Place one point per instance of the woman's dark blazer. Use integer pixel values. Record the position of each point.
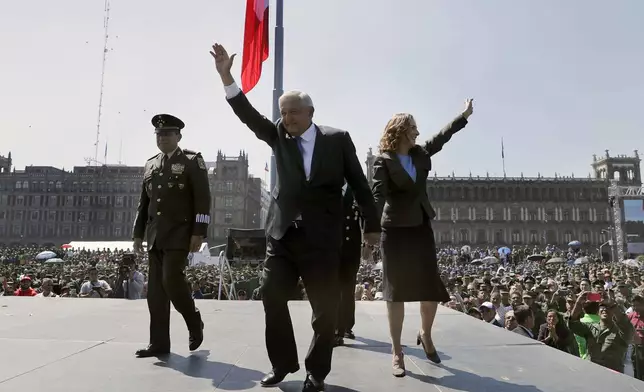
(400, 200)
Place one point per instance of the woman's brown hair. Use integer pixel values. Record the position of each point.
(395, 129)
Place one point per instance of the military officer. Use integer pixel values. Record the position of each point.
(173, 214)
(349, 264)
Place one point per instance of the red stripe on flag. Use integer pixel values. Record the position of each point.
(255, 43)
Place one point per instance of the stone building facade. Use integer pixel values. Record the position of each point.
(47, 205)
(494, 211)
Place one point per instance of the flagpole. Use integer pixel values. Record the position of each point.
(503, 156)
(278, 80)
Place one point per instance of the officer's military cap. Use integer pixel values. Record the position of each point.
(167, 122)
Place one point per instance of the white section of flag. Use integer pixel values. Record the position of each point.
(260, 8)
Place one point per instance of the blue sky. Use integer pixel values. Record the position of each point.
(557, 80)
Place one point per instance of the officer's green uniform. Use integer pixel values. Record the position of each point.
(174, 206)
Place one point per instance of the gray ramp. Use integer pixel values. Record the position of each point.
(68, 345)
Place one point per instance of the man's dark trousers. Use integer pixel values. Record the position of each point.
(292, 256)
(349, 265)
(167, 283)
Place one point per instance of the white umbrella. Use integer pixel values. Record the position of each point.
(54, 261)
(490, 260)
(582, 260)
(631, 263)
(46, 255)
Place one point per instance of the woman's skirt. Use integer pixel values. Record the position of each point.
(410, 265)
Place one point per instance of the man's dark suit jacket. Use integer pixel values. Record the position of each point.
(318, 200)
(523, 331)
(399, 199)
(175, 201)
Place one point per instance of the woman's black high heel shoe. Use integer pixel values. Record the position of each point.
(433, 356)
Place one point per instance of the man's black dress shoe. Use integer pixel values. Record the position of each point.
(196, 338)
(312, 385)
(339, 341)
(350, 335)
(276, 376)
(151, 351)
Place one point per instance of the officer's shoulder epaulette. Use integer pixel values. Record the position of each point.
(154, 157)
(191, 154)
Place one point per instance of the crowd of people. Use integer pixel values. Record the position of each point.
(566, 298)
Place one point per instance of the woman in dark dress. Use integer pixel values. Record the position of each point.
(407, 245)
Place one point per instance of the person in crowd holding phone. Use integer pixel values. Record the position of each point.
(637, 321)
(606, 342)
(408, 249)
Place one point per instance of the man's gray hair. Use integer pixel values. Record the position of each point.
(304, 99)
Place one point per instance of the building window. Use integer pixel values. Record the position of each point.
(583, 216)
(34, 215)
(117, 232)
(532, 216)
(51, 216)
(82, 217)
(18, 215)
(20, 200)
(119, 201)
(566, 217)
(229, 186)
(601, 217)
(68, 216)
(534, 237)
(585, 237)
(465, 236)
(228, 201)
(228, 218)
(52, 201)
(16, 230)
(36, 201)
(516, 237)
(59, 185)
(118, 216)
(101, 215)
(102, 200)
(18, 184)
(568, 236)
(101, 231)
(85, 200)
(69, 200)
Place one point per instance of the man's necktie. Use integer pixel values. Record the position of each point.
(164, 160)
(300, 147)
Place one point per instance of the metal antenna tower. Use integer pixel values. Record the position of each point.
(106, 21)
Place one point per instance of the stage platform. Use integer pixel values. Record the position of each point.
(88, 345)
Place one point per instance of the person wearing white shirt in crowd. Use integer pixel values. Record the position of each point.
(94, 287)
(133, 286)
(46, 287)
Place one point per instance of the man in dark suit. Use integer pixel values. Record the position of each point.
(349, 264)
(173, 215)
(525, 319)
(304, 223)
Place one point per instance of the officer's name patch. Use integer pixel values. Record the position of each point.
(203, 218)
